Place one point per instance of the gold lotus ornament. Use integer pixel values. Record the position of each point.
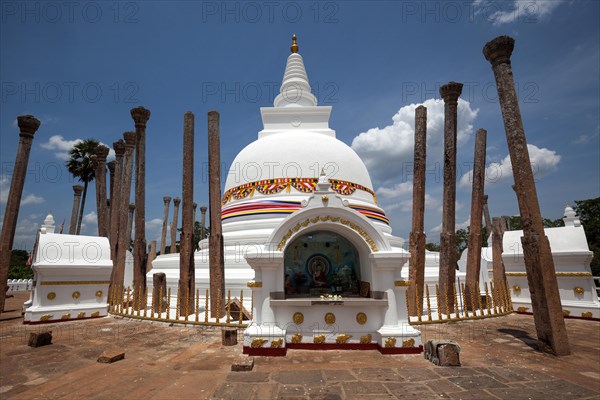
(319, 339)
(566, 313)
(578, 290)
(76, 295)
(297, 338)
(81, 314)
(361, 318)
(408, 343)
(46, 317)
(586, 314)
(298, 318)
(277, 343)
(366, 339)
(95, 314)
(66, 316)
(522, 309)
(99, 293)
(330, 318)
(51, 296)
(390, 342)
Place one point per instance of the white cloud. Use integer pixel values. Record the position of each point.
(397, 190)
(386, 151)
(90, 218)
(587, 138)
(32, 199)
(62, 147)
(525, 11)
(29, 199)
(462, 225)
(153, 230)
(543, 161)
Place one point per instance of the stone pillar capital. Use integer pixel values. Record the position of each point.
(77, 189)
(140, 116)
(194, 205)
(176, 201)
(166, 200)
(130, 138)
(119, 148)
(499, 50)
(111, 166)
(451, 91)
(203, 209)
(102, 153)
(131, 207)
(28, 125)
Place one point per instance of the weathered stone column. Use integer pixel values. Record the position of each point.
(101, 154)
(487, 219)
(474, 249)
(28, 125)
(176, 202)
(119, 148)
(541, 275)
(498, 226)
(77, 190)
(151, 255)
(203, 222)
(450, 93)
(140, 116)
(416, 270)
(163, 235)
(215, 241)
(186, 242)
(130, 218)
(111, 169)
(124, 240)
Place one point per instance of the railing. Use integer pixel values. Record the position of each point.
(495, 303)
(19, 285)
(167, 308)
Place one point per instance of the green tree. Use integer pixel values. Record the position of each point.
(80, 164)
(589, 215)
(432, 247)
(18, 265)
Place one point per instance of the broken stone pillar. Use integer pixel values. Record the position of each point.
(140, 116)
(101, 154)
(163, 235)
(28, 125)
(187, 278)
(450, 92)
(203, 222)
(40, 339)
(541, 275)
(130, 217)
(498, 226)
(111, 356)
(229, 336)
(77, 190)
(159, 292)
(474, 249)
(124, 240)
(416, 270)
(176, 202)
(119, 148)
(215, 240)
(487, 219)
(151, 255)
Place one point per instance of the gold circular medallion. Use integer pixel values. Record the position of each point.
(361, 318)
(330, 318)
(76, 295)
(298, 318)
(51, 296)
(99, 293)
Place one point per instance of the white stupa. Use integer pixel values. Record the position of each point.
(301, 221)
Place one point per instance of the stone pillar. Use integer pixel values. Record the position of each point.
(130, 217)
(163, 235)
(186, 242)
(28, 125)
(77, 189)
(215, 240)
(541, 275)
(151, 255)
(119, 148)
(203, 222)
(140, 116)
(176, 202)
(474, 249)
(111, 169)
(101, 154)
(124, 240)
(487, 219)
(450, 93)
(195, 205)
(416, 270)
(498, 226)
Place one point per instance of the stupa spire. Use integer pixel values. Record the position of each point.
(295, 89)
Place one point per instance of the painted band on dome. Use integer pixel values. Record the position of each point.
(303, 185)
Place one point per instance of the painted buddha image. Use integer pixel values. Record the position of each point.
(318, 267)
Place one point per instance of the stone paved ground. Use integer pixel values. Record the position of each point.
(162, 362)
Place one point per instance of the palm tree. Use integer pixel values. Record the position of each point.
(81, 166)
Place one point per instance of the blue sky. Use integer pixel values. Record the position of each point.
(80, 67)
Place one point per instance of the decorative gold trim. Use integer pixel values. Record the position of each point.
(319, 339)
(52, 283)
(330, 318)
(46, 317)
(254, 284)
(277, 343)
(516, 289)
(99, 293)
(402, 283)
(586, 314)
(522, 309)
(361, 318)
(342, 338)
(325, 198)
(76, 295)
(66, 316)
(566, 313)
(258, 342)
(298, 318)
(95, 314)
(563, 274)
(408, 343)
(365, 339)
(326, 218)
(81, 314)
(51, 296)
(390, 342)
(297, 338)
(578, 290)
